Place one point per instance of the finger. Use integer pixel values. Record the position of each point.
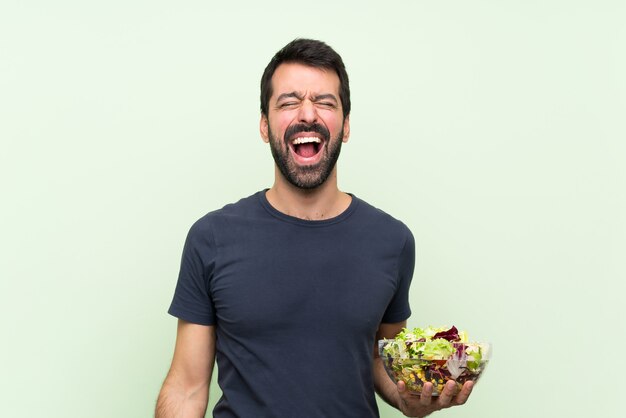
(445, 397)
(427, 393)
(401, 386)
(465, 392)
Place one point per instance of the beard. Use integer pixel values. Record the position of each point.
(306, 177)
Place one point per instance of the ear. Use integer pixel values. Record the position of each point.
(264, 128)
(346, 129)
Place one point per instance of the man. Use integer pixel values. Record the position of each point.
(290, 288)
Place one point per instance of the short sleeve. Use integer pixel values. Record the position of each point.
(192, 299)
(399, 308)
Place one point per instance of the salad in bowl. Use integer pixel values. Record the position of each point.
(435, 355)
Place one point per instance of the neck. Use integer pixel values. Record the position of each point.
(323, 202)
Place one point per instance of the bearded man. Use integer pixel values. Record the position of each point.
(289, 289)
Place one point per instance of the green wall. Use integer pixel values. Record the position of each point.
(494, 129)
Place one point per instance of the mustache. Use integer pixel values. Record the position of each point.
(303, 127)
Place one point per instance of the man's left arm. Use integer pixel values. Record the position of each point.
(399, 397)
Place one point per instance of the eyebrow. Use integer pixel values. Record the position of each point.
(325, 97)
(294, 94)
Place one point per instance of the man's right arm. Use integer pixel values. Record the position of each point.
(185, 391)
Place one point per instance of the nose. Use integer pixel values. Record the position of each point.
(308, 113)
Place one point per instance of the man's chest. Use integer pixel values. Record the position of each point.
(284, 281)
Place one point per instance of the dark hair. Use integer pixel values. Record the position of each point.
(312, 53)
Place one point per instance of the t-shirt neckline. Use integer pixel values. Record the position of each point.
(305, 222)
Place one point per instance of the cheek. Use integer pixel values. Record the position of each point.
(333, 123)
(280, 125)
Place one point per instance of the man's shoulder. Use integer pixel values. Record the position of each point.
(244, 208)
(379, 217)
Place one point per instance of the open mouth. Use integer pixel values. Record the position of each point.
(306, 146)
(307, 141)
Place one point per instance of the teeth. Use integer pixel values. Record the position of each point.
(305, 140)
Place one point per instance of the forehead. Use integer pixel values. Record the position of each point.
(300, 78)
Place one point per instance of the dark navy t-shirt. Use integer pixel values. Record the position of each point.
(296, 304)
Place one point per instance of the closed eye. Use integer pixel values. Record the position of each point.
(288, 104)
(329, 105)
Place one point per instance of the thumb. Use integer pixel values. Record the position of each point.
(401, 386)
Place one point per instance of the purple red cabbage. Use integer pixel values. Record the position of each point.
(451, 335)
